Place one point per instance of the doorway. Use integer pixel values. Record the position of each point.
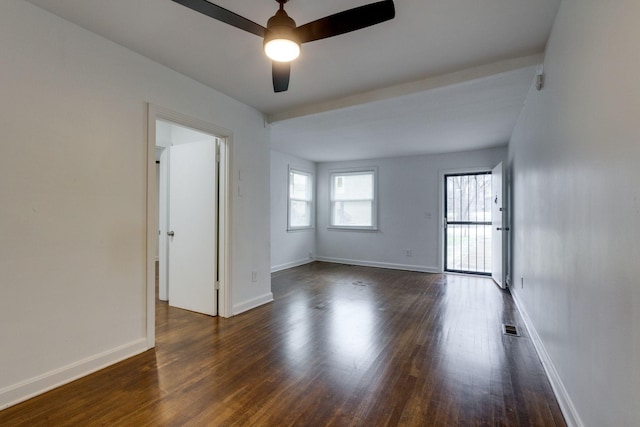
(187, 212)
(467, 223)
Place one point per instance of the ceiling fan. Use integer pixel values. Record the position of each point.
(282, 38)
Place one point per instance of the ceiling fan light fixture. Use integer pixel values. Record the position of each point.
(282, 50)
(280, 41)
(282, 38)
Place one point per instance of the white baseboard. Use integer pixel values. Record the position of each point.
(32, 387)
(291, 264)
(571, 416)
(377, 264)
(252, 303)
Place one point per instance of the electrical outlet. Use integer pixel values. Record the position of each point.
(254, 276)
(522, 282)
(408, 252)
(310, 255)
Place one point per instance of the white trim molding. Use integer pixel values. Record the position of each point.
(252, 303)
(389, 265)
(291, 264)
(571, 416)
(32, 387)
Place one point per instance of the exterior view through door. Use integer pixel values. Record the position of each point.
(467, 222)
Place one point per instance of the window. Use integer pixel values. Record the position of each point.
(353, 201)
(300, 200)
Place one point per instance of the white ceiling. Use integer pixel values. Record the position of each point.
(471, 115)
(371, 71)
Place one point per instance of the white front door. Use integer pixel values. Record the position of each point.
(497, 229)
(193, 227)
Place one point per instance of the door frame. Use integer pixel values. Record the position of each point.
(442, 203)
(155, 112)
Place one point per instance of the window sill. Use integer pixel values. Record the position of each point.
(365, 229)
(296, 230)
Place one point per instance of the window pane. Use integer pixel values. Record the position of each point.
(469, 197)
(299, 214)
(300, 199)
(353, 186)
(299, 186)
(469, 248)
(358, 213)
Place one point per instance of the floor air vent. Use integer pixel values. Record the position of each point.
(510, 330)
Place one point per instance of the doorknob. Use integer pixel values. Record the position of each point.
(170, 233)
(501, 229)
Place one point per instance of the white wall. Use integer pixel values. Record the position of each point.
(288, 248)
(73, 190)
(409, 210)
(575, 159)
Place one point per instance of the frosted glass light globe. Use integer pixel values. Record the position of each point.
(282, 50)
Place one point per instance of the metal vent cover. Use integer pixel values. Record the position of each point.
(511, 330)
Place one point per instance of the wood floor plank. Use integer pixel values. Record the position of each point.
(339, 346)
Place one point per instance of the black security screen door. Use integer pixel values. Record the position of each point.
(468, 223)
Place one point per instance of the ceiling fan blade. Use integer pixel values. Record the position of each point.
(223, 15)
(281, 72)
(347, 21)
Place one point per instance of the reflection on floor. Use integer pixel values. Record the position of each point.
(340, 345)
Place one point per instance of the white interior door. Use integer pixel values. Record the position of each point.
(498, 228)
(192, 229)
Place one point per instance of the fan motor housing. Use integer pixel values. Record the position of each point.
(280, 25)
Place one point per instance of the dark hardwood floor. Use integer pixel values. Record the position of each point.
(339, 346)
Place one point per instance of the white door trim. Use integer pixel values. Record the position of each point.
(154, 113)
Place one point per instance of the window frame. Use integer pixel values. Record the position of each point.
(311, 202)
(372, 170)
